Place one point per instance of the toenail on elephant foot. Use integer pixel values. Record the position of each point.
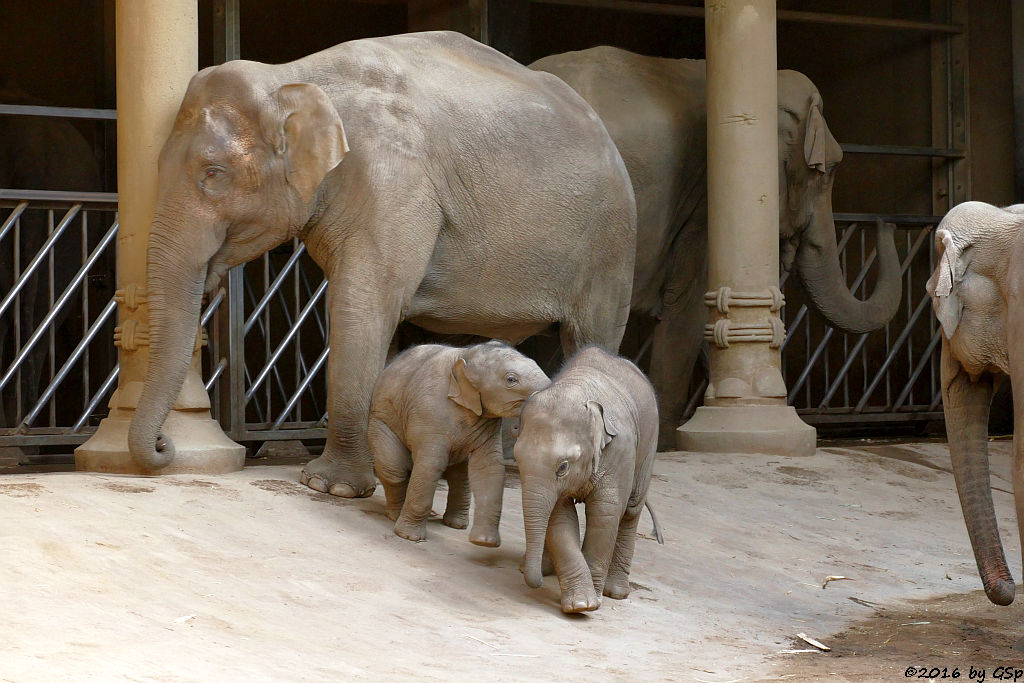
(617, 588)
(580, 601)
(486, 539)
(326, 476)
(412, 533)
(456, 521)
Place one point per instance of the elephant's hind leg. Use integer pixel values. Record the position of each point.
(456, 512)
(428, 466)
(392, 464)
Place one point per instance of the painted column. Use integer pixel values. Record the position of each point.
(745, 407)
(157, 51)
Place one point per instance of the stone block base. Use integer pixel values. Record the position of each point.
(773, 430)
(201, 447)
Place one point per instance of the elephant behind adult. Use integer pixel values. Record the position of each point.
(432, 178)
(655, 110)
(37, 153)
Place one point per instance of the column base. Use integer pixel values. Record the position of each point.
(201, 447)
(773, 430)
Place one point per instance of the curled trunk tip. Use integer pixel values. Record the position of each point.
(999, 590)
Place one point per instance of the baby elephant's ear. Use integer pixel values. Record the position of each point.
(604, 423)
(462, 390)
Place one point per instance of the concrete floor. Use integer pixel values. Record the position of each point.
(254, 577)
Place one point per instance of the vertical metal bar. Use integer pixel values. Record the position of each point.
(299, 360)
(269, 411)
(52, 337)
(85, 310)
(960, 107)
(17, 316)
(236, 353)
(226, 34)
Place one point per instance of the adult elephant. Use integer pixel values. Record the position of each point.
(977, 292)
(36, 153)
(432, 178)
(655, 110)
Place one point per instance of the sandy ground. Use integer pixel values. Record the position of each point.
(254, 577)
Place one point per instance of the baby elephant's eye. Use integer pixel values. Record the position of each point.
(511, 379)
(563, 469)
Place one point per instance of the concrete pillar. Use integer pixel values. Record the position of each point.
(157, 44)
(745, 407)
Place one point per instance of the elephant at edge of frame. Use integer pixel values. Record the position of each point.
(977, 293)
(655, 111)
(589, 437)
(432, 178)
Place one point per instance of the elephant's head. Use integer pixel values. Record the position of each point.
(808, 159)
(562, 436)
(973, 245)
(238, 175)
(493, 380)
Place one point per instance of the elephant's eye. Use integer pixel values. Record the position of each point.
(212, 171)
(563, 469)
(511, 379)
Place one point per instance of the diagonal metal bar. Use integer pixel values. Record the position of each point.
(926, 359)
(217, 372)
(897, 345)
(59, 304)
(301, 389)
(66, 368)
(211, 307)
(284, 342)
(274, 287)
(10, 220)
(263, 330)
(43, 252)
(108, 384)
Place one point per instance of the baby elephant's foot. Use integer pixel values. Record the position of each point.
(412, 532)
(580, 599)
(489, 538)
(456, 520)
(616, 586)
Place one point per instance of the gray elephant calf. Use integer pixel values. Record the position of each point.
(434, 413)
(590, 436)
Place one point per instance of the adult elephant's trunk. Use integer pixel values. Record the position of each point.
(966, 405)
(174, 293)
(538, 502)
(817, 262)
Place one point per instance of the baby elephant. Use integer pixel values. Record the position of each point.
(589, 437)
(434, 413)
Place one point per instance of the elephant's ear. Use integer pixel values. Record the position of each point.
(821, 151)
(462, 390)
(944, 284)
(604, 428)
(304, 127)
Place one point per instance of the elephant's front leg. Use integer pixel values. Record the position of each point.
(362, 324)
(563, 542)
(604, 514)
(616, 584)
(487, 480)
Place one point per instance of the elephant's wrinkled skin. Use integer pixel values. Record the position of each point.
(654, 109)
(432, 178)
(977, 291)
(591, 436)
(434, 414)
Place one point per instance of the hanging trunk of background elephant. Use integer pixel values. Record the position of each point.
(654, 109)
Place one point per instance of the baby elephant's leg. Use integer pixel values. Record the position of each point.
(456, 512)
(574, 578)
(487, 479)
(392, 464)
(616, 585)
(428, 466)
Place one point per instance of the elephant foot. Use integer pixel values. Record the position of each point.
(327, 475)
(488, 538)
(547, 566)
(411, 532)
(616, 586)
(582, 599)
(456, 520)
